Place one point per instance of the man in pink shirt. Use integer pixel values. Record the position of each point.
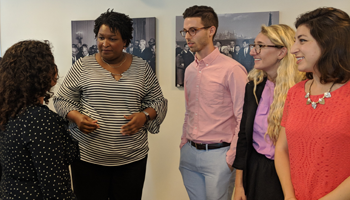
(214, 94)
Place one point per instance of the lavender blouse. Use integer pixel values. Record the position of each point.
(262, 144)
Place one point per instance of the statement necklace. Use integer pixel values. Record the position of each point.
(118, 65)
(320, 100)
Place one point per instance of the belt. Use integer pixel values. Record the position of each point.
(201, 146)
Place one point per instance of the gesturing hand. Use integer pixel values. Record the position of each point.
(137, 120)
(86, 124)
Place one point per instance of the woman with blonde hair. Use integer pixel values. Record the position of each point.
(274, 72)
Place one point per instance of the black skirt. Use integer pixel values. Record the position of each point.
(262, 179)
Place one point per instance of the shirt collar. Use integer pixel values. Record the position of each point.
(270, 84)
(209, 58)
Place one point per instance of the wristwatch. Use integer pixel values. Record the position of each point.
(147, 116)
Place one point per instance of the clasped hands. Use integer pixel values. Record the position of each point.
(137, 120)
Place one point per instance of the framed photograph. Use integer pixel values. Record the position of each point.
(235, 32)
(142, 45)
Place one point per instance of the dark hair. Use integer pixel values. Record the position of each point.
(245, 41)
(74, 46)
(93, 50)
(151, 42)
(206, 13)
(116, 22)
(331, 29)
(237, 45)
(26, 74)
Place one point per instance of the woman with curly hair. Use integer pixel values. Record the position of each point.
(112, 99)
(35, 146)
(312, 151)
(274, 72)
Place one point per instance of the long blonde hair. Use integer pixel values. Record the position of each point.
(287, 76)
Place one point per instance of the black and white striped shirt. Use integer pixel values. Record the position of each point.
(92, 90)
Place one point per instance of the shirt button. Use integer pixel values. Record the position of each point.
(195, 127)
(207, 64)
(200, 71)
(197, 86)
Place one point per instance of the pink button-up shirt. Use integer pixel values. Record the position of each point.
(214, 94)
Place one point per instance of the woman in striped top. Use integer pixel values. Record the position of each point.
(112, 99)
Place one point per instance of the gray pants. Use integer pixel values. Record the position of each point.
(205, 173)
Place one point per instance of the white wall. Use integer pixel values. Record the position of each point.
(51, 20)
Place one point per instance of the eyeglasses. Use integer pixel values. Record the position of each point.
(192, 31)
(259, 46)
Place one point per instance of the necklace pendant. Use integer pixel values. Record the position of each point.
(321, 101)
(327, 95)
(308, 101)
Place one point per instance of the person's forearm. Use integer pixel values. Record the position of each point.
(239, 193)
(152, 113)
(239, 178)
(73, 115)
(283, 171)
(342, 192)
(283, 166)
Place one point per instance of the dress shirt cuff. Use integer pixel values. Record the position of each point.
(161, 107)
(231, 155)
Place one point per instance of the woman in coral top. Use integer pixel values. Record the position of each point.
(312, 156)
(275, 71)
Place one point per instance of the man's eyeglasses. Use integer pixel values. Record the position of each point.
(192, 31)
(259, 46)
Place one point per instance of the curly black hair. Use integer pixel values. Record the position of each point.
(116, 22)
(26, 74)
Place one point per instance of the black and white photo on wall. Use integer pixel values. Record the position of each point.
(235, 32)
(142, 45)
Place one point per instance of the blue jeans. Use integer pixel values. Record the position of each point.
(205, 173)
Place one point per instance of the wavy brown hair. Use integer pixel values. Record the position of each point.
(331, 29)
(27, 72)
